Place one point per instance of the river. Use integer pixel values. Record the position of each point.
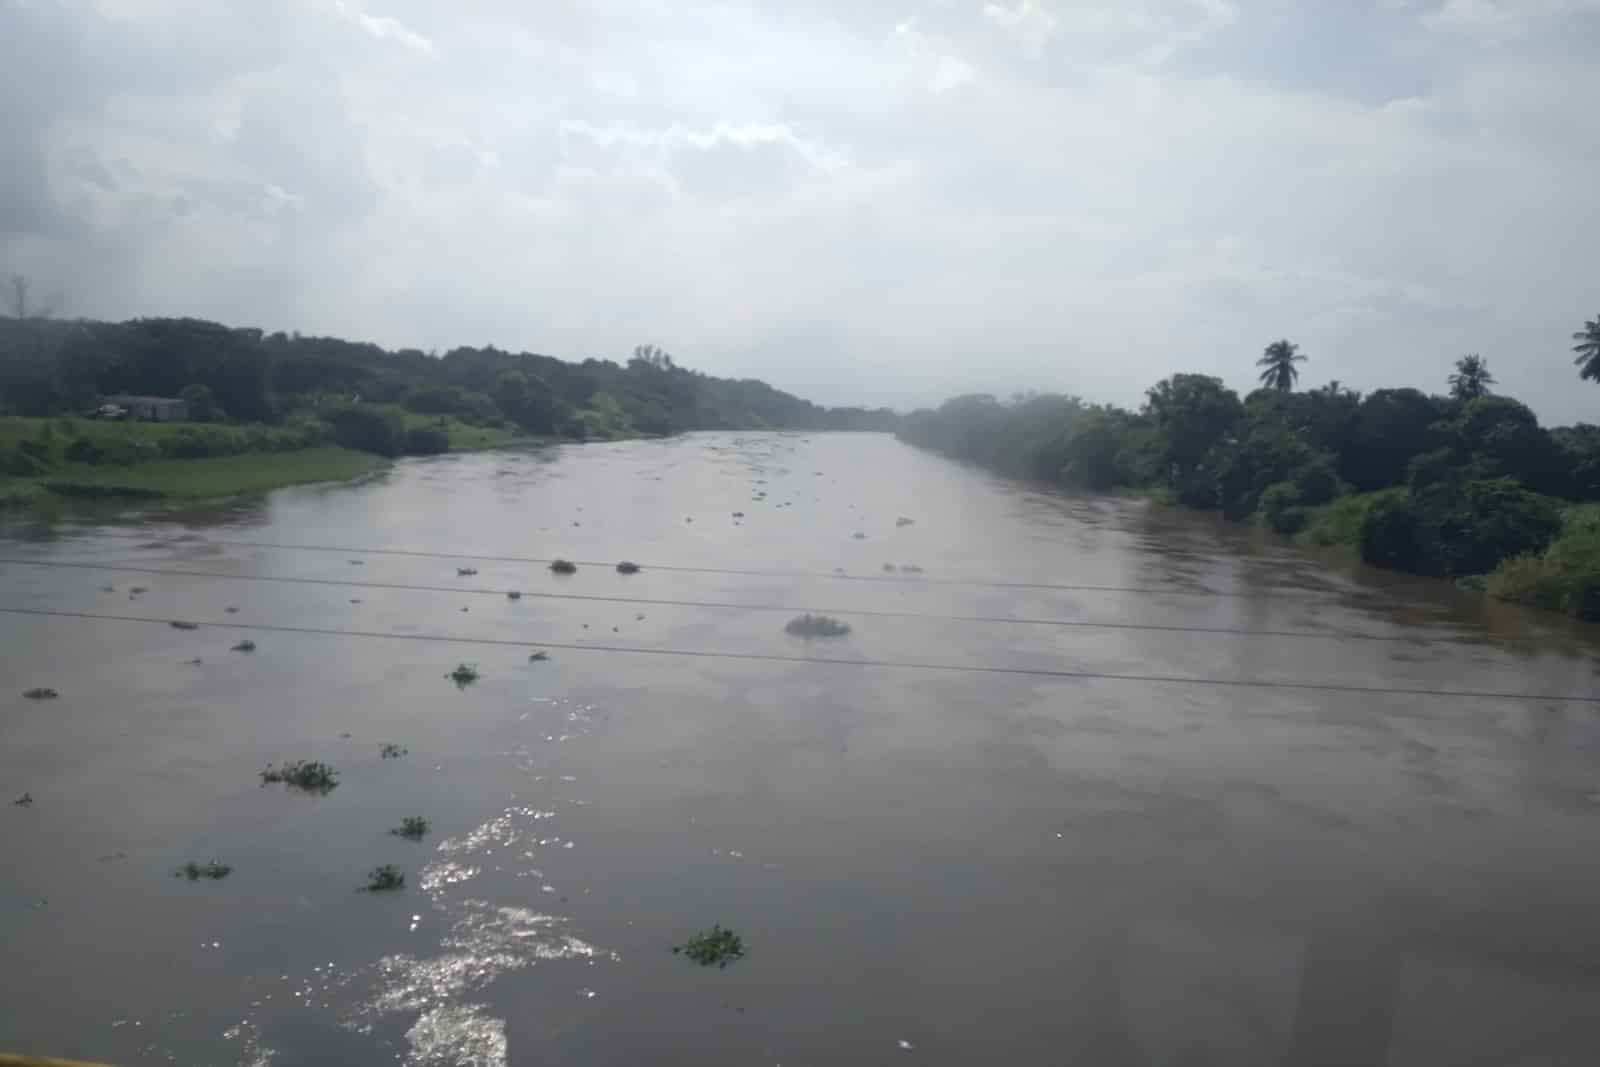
(1089, 781)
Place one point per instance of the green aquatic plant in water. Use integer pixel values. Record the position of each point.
(464, 675)
(309, 776)
(412, 828)
(42, 692)
(627, 567)
(384, 879)
(390, 750)
(245, 646)
(196, 871)
(715, 946)
(564, 566)
(809, 625)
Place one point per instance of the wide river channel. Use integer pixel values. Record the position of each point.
(1087, 782)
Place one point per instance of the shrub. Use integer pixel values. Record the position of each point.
(1317, 482)
(427, 441)
(1280, 510)
(1565, 577)
(202, 403)
(1389, 534)
(367, 428)
(1491, 520)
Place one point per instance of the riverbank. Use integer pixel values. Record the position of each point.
(44, 460)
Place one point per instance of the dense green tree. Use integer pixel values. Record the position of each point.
(1471, 378)
(1588, 350)
(1390, 427)
(1192, 413)
(201, 402)
(1279, 359)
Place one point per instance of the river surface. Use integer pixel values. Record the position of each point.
(1089, 782)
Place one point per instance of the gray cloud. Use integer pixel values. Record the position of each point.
(853, 200)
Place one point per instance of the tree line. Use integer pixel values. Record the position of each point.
(229, 374)
(1448, 483)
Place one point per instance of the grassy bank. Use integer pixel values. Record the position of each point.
(211, 476)
(1564, 577)
(46, 458)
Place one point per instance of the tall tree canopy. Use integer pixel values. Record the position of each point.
(1588, 350)
(1279, 359)
(1471, 379)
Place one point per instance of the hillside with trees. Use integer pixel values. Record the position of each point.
(365, 392)
(1465, 484)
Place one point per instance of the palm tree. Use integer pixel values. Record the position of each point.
(1280, 358)
(1471, 379)
(1588, 349)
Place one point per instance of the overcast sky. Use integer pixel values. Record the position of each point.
(857, 200)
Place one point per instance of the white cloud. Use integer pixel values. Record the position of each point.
(1030, 21)
(1501, 18)
(846, 201)
(382, 27)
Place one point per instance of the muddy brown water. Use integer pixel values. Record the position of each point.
(1000, 841)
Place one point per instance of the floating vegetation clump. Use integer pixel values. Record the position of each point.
(245, 646)
(196, 871)
(564, 566)
(715, 946)
(903, 521)
(179, 624)
(135, 590)
(512, 594)
(538, 657)
(888, 568)
(42, 692)
(627, 567)
(390, 750)
(464, 675)
(809, 625)
(466, 572)
(384, 879)
(412, 828)
(24, 801)
(910, 568)
(231, 610)
(859, 536)
(309, 776)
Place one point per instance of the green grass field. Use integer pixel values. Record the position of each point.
(211, 476)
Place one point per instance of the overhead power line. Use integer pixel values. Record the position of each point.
(878, 613)
(907, 665)
(838, 575)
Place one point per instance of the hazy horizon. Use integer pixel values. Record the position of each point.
(862, 204)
